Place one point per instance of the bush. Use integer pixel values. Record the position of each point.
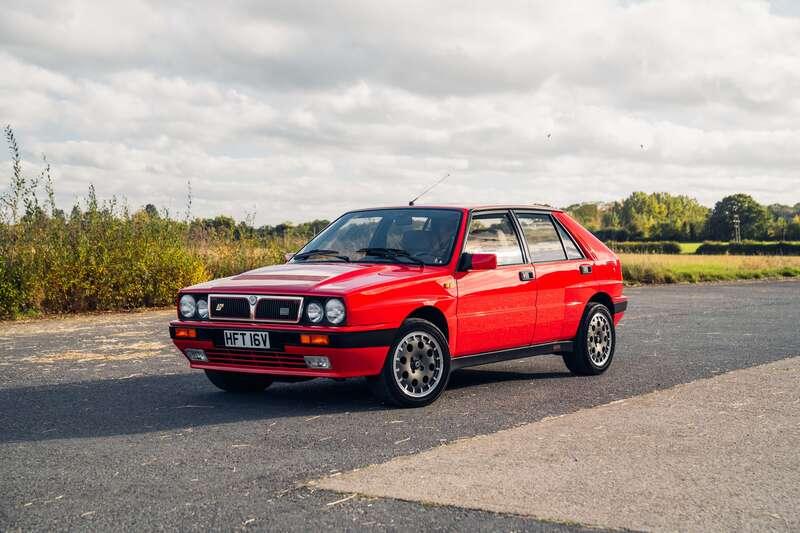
(764, 248)
(612, 234)
(101, 257)
(749, 248)
(655, 247)
(104, 259)
(712, 248)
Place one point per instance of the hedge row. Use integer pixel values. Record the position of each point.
(655, 247)
(749, 248)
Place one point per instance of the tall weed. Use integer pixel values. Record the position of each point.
(101, 256)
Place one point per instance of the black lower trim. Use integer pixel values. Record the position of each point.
(620, 307)
(507, 355)
(363, 339)
(278, 339)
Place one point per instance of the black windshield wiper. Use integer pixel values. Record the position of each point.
(322, 252)
(391, 253)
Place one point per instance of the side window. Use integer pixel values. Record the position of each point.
(543, 241)
(569, 245)
(494, 234)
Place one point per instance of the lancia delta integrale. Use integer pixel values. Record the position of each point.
(404, 296)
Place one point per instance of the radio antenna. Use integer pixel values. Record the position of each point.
(423, 193)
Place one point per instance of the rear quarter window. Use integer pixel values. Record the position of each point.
(573, 252)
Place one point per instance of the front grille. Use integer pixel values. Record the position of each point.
(278, 309)
(265, 309)
(229, 306)
(256, 360)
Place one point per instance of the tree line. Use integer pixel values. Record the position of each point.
(662, 216)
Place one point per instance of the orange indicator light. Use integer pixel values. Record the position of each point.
(317, 340)
(185, 333)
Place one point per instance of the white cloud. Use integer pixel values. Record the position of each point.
(297, 111)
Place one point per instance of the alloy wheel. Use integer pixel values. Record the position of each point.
(598, 340)
(417, 364)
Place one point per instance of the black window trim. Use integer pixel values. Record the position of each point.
(523, 247)
(556, 225)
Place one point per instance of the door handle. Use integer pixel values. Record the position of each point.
(526, 275)
(585, 269)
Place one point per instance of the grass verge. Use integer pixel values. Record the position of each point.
(654, 268)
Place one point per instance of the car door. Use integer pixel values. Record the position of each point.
(496, 308)
(557, 262)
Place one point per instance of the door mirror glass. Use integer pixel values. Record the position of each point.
(478, 262)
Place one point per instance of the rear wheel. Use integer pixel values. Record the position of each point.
(238, 382)
(417, 366)
(595, 343)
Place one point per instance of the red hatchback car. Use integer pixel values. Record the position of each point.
(404, 296)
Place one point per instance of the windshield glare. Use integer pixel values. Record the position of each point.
(426, 235)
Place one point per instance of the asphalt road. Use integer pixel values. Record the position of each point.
(102, 426)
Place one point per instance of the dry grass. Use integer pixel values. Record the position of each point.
(654, 268)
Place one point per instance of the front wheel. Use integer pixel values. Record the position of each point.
(238, 382)
(417, 366)
(595, 343)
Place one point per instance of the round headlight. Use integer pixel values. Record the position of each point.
(202, 308)
(314, 312)
(187, 306)
(334, 311)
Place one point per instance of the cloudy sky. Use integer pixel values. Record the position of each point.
(297, 110)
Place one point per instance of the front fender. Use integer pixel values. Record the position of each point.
(393, 303)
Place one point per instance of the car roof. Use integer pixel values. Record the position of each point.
(478, 207)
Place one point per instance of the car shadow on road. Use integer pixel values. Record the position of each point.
(471, 377)
(157, 403)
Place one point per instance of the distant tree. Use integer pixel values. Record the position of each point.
(588, 214)
(151, 210)
(753, 218)
(657, 216)
(221, 226)
(793, 229)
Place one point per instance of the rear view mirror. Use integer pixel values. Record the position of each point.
(478, 262)
(403, 220)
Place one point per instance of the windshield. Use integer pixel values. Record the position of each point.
(413, 236)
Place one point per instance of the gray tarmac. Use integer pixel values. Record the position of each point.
(103, 426)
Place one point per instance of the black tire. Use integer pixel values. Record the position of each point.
(237, 382)
(594, 344)
(428, 380)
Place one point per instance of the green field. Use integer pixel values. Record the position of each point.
(689, 247)
(655, 268)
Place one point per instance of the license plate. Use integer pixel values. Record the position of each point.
(246, 339)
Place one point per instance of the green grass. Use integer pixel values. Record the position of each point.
(654, 268)
(689, 247)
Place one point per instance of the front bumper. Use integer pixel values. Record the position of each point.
(352, 352)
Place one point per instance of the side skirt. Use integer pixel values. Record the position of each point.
(507, 355)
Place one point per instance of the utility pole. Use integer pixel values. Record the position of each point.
(737, 231)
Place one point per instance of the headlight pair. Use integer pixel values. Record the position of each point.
(333, 311)
(191, 307)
